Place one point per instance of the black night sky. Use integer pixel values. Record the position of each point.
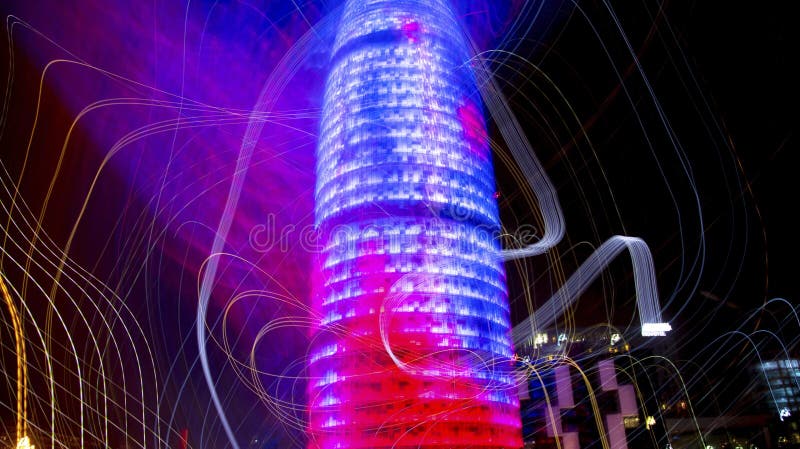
(721, 74)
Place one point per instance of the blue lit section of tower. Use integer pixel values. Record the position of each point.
(412, 346)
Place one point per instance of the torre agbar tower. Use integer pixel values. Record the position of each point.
(411, 347)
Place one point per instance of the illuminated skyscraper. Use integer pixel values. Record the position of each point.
(412, 346)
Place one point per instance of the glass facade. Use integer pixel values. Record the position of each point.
(411, 346)
(782, 378)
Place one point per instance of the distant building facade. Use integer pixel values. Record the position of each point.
(574, 396)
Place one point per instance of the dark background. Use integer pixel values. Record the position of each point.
(721, 74)
(713, 193)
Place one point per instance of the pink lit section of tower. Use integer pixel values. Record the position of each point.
(412, 345)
